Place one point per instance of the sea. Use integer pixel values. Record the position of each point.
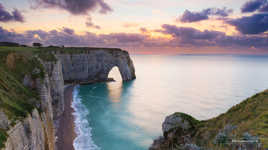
(129, 115)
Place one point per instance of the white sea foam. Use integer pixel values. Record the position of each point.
(84, 140)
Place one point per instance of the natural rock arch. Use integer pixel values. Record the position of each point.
(95, 65)
(115, 74)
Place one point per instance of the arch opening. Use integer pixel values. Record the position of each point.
(115, 88)
(115, 74)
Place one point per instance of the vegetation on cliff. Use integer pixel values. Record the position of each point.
(246, 123)
(46, 53)
(17, 100)
(250, 116)
(3, 137)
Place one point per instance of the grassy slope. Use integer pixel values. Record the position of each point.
(249, 116)
(15, 99)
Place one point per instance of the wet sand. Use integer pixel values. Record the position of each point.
(66, 133)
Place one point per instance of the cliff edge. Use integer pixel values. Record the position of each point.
(32, 89)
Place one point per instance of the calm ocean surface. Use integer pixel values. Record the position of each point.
(116, 116)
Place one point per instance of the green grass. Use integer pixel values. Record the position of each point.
(46, 53)
(191, 119)
(58, 49)
(18, 49)
(3, 138)
(250, 116)
(43, 53)
(16, 100)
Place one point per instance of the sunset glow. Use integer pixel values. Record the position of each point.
(139, 26)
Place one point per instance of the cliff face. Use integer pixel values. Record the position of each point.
(27, 135)
(96, 65)
(46, 75)
(56, 83)
(36, 131)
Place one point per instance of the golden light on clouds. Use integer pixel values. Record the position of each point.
(211, 25)
(142, 24)
(158, 35)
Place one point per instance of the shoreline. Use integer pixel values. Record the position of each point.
(66, 131)
(66, 134)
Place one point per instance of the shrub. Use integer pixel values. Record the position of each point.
(11, 44)
(3, 138)
(37, 44)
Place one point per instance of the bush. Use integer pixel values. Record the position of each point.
(3, 138)
(221, 138)
(11, 44)
(37, 44)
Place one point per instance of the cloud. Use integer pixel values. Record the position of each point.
(264, 7)
(124, 38)
(255, 24)
(255, 5)
(193, 16)
(130, 25)
(144, 30)
(89, 23)
(180, 37)
(189, 16)
(68, 37)
(75, 7)
(15, 15)
(68, 30)
(190, 37)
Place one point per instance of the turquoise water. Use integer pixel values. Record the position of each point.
(128, 116)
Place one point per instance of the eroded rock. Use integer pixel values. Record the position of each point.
(96, 65)
(4, 122)
(178, 124)
(177, 131)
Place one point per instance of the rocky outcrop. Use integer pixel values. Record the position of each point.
(178, 129)
(178, 122)
(4, 122)
(95, 65)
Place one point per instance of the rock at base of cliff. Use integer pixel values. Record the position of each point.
(178, 124)
(177, 131)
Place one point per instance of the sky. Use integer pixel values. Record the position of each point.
(140, 26)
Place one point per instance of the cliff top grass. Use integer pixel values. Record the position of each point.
(250, 116)
(46, 53)
(54, 49)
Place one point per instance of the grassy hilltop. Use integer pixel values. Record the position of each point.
(250, 116)
(245, 125)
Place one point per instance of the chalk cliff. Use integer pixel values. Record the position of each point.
(96, 65)
(44, 71)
